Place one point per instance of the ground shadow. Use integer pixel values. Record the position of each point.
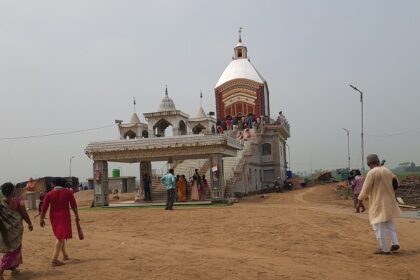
(403, 253)
(27, 274)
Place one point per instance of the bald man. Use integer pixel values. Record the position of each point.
(383, 207)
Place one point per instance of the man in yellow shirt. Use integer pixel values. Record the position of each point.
(31, 193)
(30, 186)
(383, 207)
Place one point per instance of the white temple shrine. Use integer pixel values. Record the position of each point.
(242, 151)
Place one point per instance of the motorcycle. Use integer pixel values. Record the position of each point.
(277, 187)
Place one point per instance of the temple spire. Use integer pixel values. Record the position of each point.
(240, 51)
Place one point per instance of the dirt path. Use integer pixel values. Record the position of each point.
(304, 234)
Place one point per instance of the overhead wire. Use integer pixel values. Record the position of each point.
(55, 133)
(415, 131)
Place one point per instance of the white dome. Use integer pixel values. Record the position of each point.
(167, 104)
(240, 69)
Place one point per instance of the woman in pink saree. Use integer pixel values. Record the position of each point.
(194, 190)
(12, 211)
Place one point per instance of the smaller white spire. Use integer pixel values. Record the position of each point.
(135, 119)
(167, 103)
(201, 114)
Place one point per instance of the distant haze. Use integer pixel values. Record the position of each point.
(74, 65)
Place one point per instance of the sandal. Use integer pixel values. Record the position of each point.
(66, 258)
(56, 263)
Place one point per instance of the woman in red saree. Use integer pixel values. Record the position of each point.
(59, 199)
(181, 186)
(12, 211)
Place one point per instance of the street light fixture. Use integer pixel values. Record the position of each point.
(348, 144)
(71, 158)
(363, 149)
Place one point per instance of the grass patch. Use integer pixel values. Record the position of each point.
(404, 175)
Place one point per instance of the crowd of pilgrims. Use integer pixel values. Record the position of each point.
(196, 188)
(247, 122)
(239, 123)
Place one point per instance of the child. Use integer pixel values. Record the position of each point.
(357, 185)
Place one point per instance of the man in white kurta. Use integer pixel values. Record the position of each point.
(383, 206)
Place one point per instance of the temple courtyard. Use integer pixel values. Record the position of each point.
(302, 234)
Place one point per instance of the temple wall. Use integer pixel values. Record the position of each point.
(250, 99)
(261, 168)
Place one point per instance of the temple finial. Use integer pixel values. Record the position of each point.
(166, 90)
(134, 104)
(201, 98)
(240, 32)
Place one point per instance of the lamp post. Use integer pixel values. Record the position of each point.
(363, 149)
(348, 145)
(71, 158)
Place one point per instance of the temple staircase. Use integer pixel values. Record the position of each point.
(185, 167)
(158, 189)
(234, 167)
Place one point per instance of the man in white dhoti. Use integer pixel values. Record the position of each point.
(383, 206)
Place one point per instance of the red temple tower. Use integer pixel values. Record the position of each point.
(241, 90)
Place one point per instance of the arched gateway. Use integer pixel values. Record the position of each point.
(146, 150)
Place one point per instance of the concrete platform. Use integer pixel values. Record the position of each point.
(157, 203)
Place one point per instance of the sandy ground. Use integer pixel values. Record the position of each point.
(303, 234)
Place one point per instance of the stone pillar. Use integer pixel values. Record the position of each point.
(175, 131)
(100, 181)
(283, 161)
(217, 181)
(275, 155)
(145, 168)
(150, 129)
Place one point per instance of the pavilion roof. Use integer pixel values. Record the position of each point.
(163, 148)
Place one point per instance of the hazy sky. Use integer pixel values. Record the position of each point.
(73, 65)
